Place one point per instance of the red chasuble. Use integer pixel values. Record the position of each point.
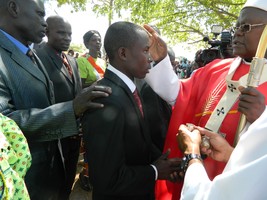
(198, 97)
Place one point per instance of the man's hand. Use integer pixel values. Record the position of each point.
(158, 48)
(83, 101)
(252, 103)
(220, 149)
(167, 168)
(188, 141)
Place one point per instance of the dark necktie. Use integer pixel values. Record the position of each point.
(138, 101)
(66, 63)
(31, 56)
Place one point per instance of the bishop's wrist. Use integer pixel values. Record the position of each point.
(189, 159)
(192, 149)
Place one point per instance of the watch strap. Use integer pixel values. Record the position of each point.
(186, 159)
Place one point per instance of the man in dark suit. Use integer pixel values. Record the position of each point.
(63, 72)
(27, 96)
(124, 163)
(158, 111)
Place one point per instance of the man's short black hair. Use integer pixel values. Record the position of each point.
(120, 34)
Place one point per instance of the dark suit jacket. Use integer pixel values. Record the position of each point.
(27, 97)
(65, 88)
(119, 146)
(159, 114)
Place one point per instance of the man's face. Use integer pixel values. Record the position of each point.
(245, 43)
(59, 35)
(30, 23)
(138, 57)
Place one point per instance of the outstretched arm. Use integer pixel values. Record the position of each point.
(158, 48)
(161, 76)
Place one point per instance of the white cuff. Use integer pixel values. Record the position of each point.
(156, 171)
(164, 81)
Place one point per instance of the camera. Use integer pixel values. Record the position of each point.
(218, 48)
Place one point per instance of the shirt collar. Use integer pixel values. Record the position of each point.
(17, 43)
(246, 62)
(123, 77)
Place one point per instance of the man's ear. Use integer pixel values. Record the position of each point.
(13, 8)
(122, 52)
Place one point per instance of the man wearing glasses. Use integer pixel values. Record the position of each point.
(211, 98)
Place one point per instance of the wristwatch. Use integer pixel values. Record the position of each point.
(187, 158)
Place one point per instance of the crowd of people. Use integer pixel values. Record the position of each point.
(139, 116)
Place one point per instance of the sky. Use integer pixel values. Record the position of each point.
(84, 21)
(81, 21)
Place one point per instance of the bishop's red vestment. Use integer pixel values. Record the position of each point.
(197, 98)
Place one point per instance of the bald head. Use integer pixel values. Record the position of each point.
(58, 33)
(55, 20)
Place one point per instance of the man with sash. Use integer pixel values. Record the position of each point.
(210, 97)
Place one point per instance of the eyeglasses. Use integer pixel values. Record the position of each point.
(245, 28)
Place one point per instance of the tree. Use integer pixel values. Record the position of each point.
(78, 48)
(178, 20)
(77, 4)
(105, 7)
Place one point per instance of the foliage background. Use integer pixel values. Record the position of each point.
(180, 21)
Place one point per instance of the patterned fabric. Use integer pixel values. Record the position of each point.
(98, 68)
(87, 71)
(66, 63)
(31, 56)
(138, 101)
(15, 160)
